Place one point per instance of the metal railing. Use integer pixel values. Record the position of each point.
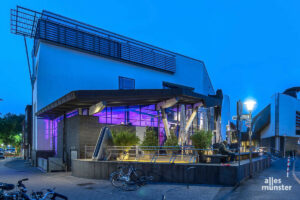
(168, 154)
(88, 152)
(71, 33)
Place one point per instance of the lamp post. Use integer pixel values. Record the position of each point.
(1, 100)
(250, 106)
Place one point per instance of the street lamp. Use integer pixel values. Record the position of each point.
(250, 104)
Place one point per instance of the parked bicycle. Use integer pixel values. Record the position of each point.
(4, 188)
(21, 193)
(129, 178)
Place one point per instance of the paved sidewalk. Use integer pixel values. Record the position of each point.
(252, 188)
(84, 189)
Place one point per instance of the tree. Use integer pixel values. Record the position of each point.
(172, 140)
(10, 129)
(125, 137)
(202, 139)
(150, 139)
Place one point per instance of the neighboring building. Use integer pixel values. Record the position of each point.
(78, 68)
(27, 133)
(278, 124)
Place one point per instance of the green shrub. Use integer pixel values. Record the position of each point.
(172, 140)
(124, 138)
(150, 139)
(202, 139)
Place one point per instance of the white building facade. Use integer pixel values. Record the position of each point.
(68, 56)
(282, 131)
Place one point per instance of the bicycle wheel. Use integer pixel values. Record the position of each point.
(130, 186)
(135, 180)
(137, 174)
(115, 180)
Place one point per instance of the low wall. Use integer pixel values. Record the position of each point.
(177, 173)
(55, 164)
(40, 154)
(43, 164)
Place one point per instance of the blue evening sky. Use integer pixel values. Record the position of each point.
(251, 48)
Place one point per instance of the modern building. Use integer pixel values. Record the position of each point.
(278, 124)
(84, 77)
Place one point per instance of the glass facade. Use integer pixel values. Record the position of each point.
(140, 116)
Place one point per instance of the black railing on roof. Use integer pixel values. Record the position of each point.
(60, 30)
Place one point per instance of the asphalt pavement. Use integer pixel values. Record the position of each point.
(276, 175)
(88, 189)
(11, 170)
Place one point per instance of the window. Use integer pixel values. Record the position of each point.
(126, 83)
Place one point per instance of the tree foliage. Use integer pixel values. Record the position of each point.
(172, 140)
(124, 137)
(10, 129)
(202, 139)
(150, 138)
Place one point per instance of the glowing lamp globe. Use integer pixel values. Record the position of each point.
(250, 105)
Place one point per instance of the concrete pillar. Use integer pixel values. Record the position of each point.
(277, 143)
(165, 121)
(182, 124)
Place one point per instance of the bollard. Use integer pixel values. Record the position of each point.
(293, 155)
(288, 167)
(187, 170)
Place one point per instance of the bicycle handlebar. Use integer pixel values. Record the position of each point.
(59, 195)
(24, 179)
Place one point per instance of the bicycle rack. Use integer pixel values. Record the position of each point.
(172, 159)
(154, 158)
(192, 159)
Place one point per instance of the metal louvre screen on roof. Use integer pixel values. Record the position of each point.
(71, 33)
(146, 57)
(57, 33)
(54, 32)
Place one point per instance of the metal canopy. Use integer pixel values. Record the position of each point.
(113, 98)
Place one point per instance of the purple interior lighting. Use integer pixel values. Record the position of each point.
(143, 116)
(134, 115)
(51, 127)
(46, 122)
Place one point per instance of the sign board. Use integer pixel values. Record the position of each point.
(242, 117)
(245, 117)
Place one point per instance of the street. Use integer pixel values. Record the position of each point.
(252, 188)
(11, 170)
